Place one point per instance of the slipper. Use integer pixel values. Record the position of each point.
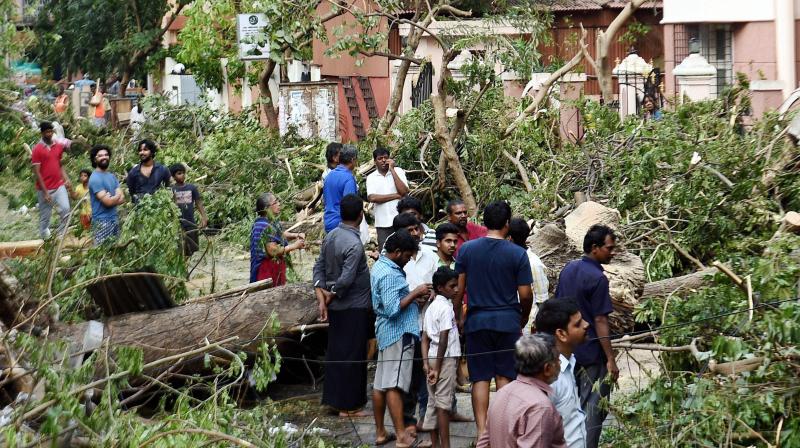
(424, 444)
(354, 414)
(390, 437)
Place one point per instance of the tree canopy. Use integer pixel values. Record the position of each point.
(102, 37)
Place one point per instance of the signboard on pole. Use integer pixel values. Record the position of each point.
(251, 36)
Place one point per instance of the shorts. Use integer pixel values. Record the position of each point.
(104, 230)
(396, 365)
(487, 366)
(440, 395)
(191, 239)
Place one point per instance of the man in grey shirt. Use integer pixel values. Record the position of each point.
(342, 288)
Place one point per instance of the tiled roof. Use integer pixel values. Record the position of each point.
(592, 5)
(574, 5)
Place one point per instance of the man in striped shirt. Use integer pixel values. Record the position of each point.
(397, 331)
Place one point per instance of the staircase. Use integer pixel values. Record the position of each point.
(352, 105)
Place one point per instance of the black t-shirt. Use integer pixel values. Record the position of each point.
(139, 185)
(185, 196)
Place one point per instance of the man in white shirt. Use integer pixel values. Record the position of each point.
(518, 231)
(562, 319)
(385, 186)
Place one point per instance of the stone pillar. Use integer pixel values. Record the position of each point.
(696, 78)
(631, 73)
(570, 88)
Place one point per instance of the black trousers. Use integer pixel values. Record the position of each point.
(586, 376)
(345, 387)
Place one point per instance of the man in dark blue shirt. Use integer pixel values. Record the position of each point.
(584, 281)
(147, 176)
(339, 183)
(497, 276)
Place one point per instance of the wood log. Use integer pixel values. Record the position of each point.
(678, 285)
(168, 332)
(19, 248)
(625, 273)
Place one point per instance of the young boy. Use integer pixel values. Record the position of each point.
(187, 198)
(79, 192)
(441, 346)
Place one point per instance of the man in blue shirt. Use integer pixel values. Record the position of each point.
(339, 183)
(496, 275)
(397, 330)
(584, 281)
(105, 195)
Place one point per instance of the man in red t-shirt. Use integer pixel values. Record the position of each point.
(52, 182)
(457, 214)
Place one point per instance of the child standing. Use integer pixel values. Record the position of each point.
(187, 198)
(440, 344)
(80, 191)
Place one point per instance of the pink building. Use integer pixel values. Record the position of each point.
(757, 38)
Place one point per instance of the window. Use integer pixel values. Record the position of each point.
(715, 45)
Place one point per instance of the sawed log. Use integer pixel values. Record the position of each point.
(167, 332)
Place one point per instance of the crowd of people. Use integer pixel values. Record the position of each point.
(459, 305)
(435, 297)
(102, 193)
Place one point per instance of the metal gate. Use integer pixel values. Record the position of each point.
(421, 91)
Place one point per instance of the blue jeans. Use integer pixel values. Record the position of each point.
(60, 199)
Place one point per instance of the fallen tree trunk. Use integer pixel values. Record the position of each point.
(167, 332)
(678, 285)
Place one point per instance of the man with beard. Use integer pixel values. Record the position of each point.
(147, 176)
(51, 179)
(467, 231)
(105, 194)
(397, 330)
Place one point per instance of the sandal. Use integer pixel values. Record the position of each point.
(390, 437)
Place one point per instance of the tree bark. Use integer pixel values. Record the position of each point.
(264, 95)
(678, 285)
(402, 72)
(604, 40)
(442, 135)
(168, 332)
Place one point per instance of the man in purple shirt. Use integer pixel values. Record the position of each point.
(584, 281)
(522, 413)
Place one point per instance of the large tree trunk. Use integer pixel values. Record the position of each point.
(168, 332)
(556, 247)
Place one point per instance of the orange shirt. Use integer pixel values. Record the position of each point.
(100, 109)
